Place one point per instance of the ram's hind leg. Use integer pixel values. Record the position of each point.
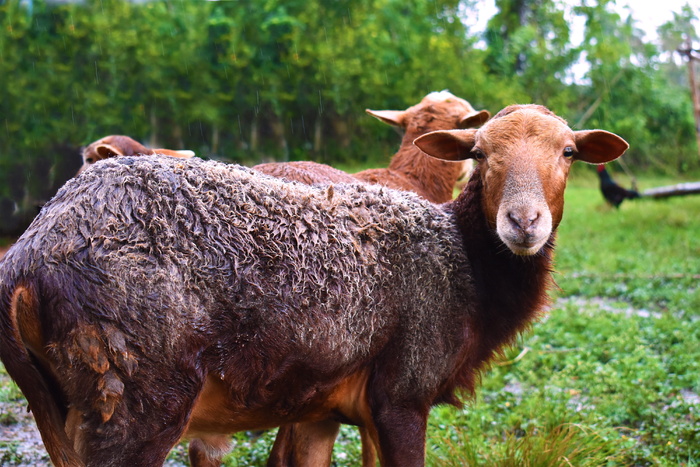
(304, 444)
(369, 452)
(207, 451)
(106, 446)
(131, 420)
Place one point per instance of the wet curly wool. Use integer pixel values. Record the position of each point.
(228, 261)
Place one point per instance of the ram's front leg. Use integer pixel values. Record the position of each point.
(401, 434)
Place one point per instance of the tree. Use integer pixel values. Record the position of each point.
(679, 35)
(279, 79)
(529, 42)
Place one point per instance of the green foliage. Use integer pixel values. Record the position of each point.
(251, 80)
(10, 453)
(9, 392)
(530, 40)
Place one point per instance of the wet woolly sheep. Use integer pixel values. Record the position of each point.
(196, 299)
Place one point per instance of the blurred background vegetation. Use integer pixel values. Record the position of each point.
(261, 80)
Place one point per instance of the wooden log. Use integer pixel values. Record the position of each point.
(680, 189)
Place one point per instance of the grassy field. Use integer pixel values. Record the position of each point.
(611, 376)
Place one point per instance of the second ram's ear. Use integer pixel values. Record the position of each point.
(475, 119)
(448, 145)
(181, 153)
(106, 151)
(392, 117)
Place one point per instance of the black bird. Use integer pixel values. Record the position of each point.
(612, 192)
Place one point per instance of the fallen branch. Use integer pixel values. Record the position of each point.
(680, 189)
(577, 275)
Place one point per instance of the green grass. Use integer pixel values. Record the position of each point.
(597, 386)
(647, 252)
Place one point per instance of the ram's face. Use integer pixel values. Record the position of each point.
(524, 155)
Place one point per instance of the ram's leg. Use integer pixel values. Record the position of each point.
(208, 451)
(133, 450)
(400, 433)
(304, 444)
(369, 452)
(141, 430)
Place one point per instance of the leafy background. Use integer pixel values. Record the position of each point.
(260, 80)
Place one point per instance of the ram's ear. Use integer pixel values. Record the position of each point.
(599, 146)
(182, 153)
(475, 119)
(448, 145)
(392, 117)
(106, 151)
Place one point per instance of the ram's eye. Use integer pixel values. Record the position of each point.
(569, 152)
(89, 160)
(478, 154)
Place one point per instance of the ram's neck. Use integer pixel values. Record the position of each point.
(511, 290)
(434, 179)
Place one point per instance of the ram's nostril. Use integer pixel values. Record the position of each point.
(524, 222)
(515, 220)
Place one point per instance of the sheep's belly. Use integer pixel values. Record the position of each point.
(217, 412)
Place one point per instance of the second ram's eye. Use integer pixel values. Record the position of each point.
(477, 154)
(569, 152)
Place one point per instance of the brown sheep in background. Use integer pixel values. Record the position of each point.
(409, 169)
(120, 145)
(307, 172)
(195, 298)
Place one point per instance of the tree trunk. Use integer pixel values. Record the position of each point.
(177, 136)
(277, 128)
(153, 140)
(215, 139)
(254, 134)
(341, 127)
(318, 135)
(696, 97)
(689, 53)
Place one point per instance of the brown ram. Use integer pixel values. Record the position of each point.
(411, 170)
